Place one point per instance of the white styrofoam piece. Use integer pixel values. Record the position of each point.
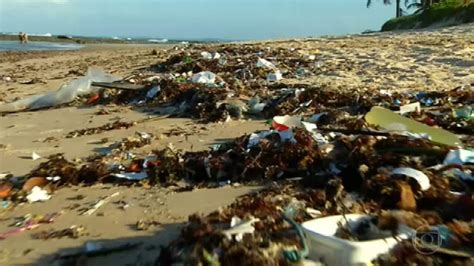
(333, 251)
(419, 176)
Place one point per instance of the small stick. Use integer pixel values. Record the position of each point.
(99, 204)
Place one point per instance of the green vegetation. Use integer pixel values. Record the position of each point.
(449, 12)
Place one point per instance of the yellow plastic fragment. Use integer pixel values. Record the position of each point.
(394, 122)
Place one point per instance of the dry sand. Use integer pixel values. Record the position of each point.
(423, 60)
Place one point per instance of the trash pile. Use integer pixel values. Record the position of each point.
(401, 161)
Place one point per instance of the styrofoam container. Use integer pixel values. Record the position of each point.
(331, 250)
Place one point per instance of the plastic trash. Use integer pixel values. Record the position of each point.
(265, 64)
(205, 77)
(275, 76)
(53, 178)
(255, 138)
(132, 176)
(419, 176)
(395, 122)
(38, 194)
(206, 55)
(460, 157)
(65, 94)
(412, 107)
(325, 246)
(465, 112)
(210, 56)
(239, 228)
(35, 156)
(315, 118)
(152, 92)
(255, 107)
(286, 122)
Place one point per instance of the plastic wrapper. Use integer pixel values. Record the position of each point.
(65, 94)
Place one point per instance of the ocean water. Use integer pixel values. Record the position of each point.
(37, 46)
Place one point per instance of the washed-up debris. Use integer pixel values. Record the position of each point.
(459, 156)
(71, 232)
(238, 228)
(330, 151)
(63, 95)
(275, 76)
(100, 203)
(35, 156)
(34, 182)
(391, 121)
(205, 77)
(153, 91)
(96, 130)
(38, 194)
(419, 176)
(145, 224)
(265, 63)
(351, 230)
(413, 107)
(132, 176)
(5, 190)
(29, 222)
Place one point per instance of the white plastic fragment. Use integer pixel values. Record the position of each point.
(143, 135)
(310, 57)
(205, 77)
(408, 108)
(419, 176)
(325, 246)
(206, 55)
(38, 194)
(132, 176)
(239, 228)
(275, 76)
(255, 106)
(148, 159)
(152, 92)
(53, 178)
(459, 156)
(310, 127)
(288, 121)
(35, 156)
(265, 64)
(313, 212)
(210, 56)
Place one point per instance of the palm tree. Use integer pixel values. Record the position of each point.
(420, 5)
(389, 2)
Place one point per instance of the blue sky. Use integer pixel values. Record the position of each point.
(182, 19)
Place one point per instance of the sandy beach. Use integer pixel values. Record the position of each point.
(417, 61)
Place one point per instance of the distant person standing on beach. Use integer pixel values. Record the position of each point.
(23, 37)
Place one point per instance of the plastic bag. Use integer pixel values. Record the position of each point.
(65, 94)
